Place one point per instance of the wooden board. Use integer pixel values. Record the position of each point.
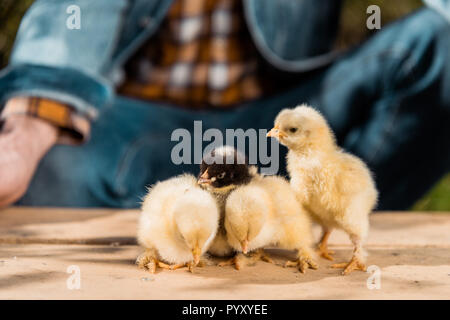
(37, 246)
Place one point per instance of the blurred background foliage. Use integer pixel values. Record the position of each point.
(352, 31)
(11, 11)
(353, 19)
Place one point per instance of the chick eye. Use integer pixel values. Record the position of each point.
(293, 130)
(221, 175)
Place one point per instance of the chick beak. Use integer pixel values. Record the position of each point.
(276, 133)
(204, 178)
(244, 245)
(196, 253)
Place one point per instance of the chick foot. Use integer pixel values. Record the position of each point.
(202, 263)
(205, 261)
(235, 261)
(354, 264)
(147, 260)
(265, 257)
(178, 266)
(303, 262)
(190, 265)
(322, 248)
(325, 253)
(241, 260)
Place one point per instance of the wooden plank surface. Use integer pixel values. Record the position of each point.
(412, 251)
(102, 226)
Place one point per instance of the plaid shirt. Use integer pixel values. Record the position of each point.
(202, 56)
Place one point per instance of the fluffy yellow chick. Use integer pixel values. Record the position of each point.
(265, 212)
(178, 223)
(335, 187)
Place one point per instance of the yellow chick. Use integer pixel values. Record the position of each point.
(178, 223)
(265, 212)
(335, 187)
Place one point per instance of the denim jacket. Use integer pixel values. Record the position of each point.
(81, 67)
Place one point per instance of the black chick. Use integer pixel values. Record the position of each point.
(222, 171)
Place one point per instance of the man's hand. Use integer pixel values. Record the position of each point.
(24, 140)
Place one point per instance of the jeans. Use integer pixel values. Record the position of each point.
(388, 102)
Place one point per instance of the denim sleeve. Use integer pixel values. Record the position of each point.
(441, 6)
(57, 58)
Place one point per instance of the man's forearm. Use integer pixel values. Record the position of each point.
(37, 134)
(24, 140)
(73, 127)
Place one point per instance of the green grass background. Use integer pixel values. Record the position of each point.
(352, 30)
